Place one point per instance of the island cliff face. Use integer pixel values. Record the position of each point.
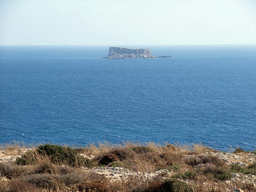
(124, 53)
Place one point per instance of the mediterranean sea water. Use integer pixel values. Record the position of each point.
(71, 95)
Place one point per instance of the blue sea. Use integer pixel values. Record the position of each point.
(71, 95)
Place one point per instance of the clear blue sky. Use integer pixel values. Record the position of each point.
(127, 22)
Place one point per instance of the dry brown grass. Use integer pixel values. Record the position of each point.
(12, 171)
(196, 148)
(204, 173)
(12, 145)
(17, 186)
(16, 147)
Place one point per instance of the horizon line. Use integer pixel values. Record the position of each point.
(138, 45)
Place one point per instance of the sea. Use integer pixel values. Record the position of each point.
(70, 95)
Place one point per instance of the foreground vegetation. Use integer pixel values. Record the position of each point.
(62, 168)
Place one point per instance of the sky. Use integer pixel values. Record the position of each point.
(127, 22)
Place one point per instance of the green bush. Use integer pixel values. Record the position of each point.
(236, 169)
(170, 185)
(29, 158)
(187, 175)
(250, 169)
(117, 164)
(56, 154)
(176, 186)
(221, 174)
(174, 168)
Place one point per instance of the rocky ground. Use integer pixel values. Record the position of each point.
(120, 173)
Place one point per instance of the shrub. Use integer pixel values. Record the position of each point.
(12, 171)
(78, 177)
(212, 160)
(29, 158)
(252, 166)
(63, 170)
(56, 154)
(176, 186)
(17, 186)
(250, 169)
(238, 150)
(236, 168)
(141, 149)
(45, 181)
(187, 175)
(171, 158)
(171, 148)
(123, 154)
(221, 173)
(170, 185)
(94, 182)
(114, 155)
(174, 168)
(107, 159)
(97, 185)
(151, 157)
(193, 161)
(72, 181)
(117, 164)
(81, 150)
(155, 186)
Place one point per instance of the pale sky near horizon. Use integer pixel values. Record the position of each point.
(127, 22)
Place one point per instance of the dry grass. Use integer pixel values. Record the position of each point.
(45, 172)
(16, 148)
(17, 186)
(195, 148)
(13, 145)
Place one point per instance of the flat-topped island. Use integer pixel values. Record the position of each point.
(124, 53)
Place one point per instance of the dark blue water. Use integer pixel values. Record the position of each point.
(70, 95)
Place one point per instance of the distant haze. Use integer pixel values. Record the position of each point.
(122, 22)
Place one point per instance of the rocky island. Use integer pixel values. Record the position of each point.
(124, 53)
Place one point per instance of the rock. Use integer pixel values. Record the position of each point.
(4, 179)
(10, 158)
(124, 53)
(87, 157)
(241, 164)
